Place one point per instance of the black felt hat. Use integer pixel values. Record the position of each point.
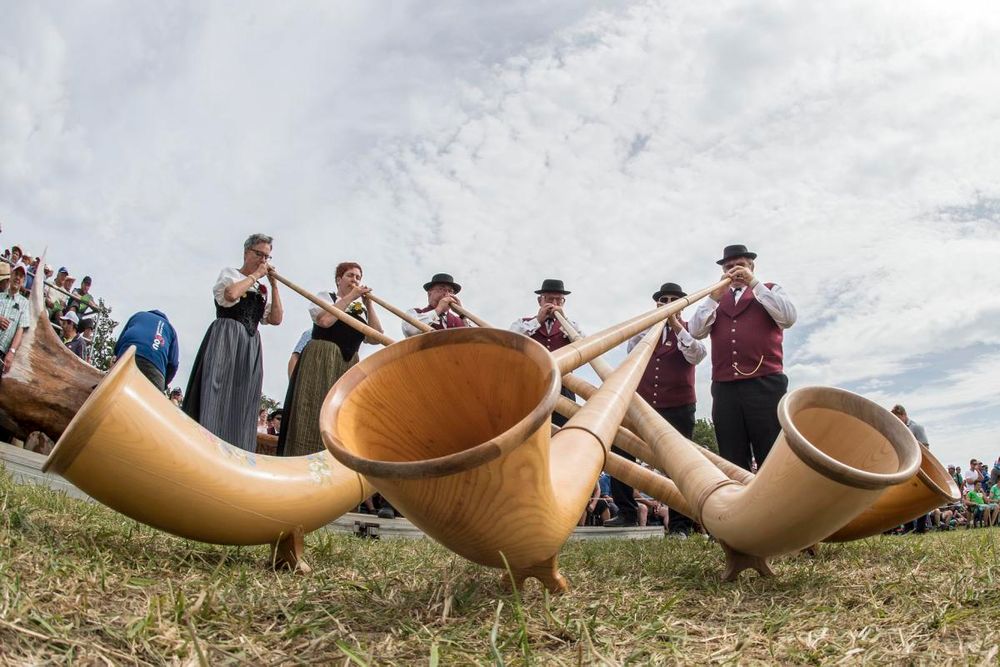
(442, 279)
(732, 251)
(668, 289)
(552, 285)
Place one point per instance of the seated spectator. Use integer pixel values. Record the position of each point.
(651, 510)
(82, 300)
(157, 351)
(74, 341)
(598, 510)
(262, 421)
(15, 313)
(176, 396)
(61, 301)
(274, 422)
(979, 510)
(972, 475)
(87, 334)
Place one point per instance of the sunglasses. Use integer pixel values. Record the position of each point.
(667, 299)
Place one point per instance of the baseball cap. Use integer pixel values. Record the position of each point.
(71, 316)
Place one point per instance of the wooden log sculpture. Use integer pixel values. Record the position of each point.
(47, 383)
(130, 448)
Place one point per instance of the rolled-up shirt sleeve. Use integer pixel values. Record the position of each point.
(526, 327)
(704, 316)
(634, 340)
(776, 302)
(692, 349)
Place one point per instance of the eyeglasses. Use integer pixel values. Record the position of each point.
(558, 300)
(260, 254)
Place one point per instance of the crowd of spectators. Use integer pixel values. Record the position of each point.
(72, 310)
(979, 492)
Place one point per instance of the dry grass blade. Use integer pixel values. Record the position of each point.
(81, 584)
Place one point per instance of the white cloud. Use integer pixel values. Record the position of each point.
(853, 146)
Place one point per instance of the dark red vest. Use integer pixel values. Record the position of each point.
(453, 320)
(551, 340)
(744, 334)
(669, 379)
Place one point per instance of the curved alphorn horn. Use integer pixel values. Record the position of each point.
(931, 487)
(478, 321)
(491, 484)
(401, 314)
(604, 369)
(468, 445)
(131, 449)
(852, 467)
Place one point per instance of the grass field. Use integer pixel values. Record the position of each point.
(81, 583)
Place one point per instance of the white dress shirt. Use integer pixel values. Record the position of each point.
(774, 300)
(230, 276)
(693, 350)
(530, 326)
(429, 318)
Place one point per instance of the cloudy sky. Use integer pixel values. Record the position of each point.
(616, 145)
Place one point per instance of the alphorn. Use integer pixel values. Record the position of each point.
(423, 326)
(837, 453)
(130, 448)
(479, 322)
(401, 314)
(603, 370)
(369, 332)
(931, 487)
(469, 458)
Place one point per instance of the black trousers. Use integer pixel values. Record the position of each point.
(682, 419)
(152, 373)
(745, 413)
(557, 418)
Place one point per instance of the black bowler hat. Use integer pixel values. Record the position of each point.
(442, 279)
(552, 285)
(732, 251)
(668, 289)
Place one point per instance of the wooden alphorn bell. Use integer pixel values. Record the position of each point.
(856, 452)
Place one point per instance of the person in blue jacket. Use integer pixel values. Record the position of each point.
(157, 352)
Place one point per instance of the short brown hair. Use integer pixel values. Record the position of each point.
(898, 409)
(344, 267)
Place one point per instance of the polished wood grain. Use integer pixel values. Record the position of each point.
(453, 428)
(133, 450)
(930, 488)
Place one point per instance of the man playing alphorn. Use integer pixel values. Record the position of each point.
(668, 386)
(442, 291)
(746, 321)
(544, 328)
